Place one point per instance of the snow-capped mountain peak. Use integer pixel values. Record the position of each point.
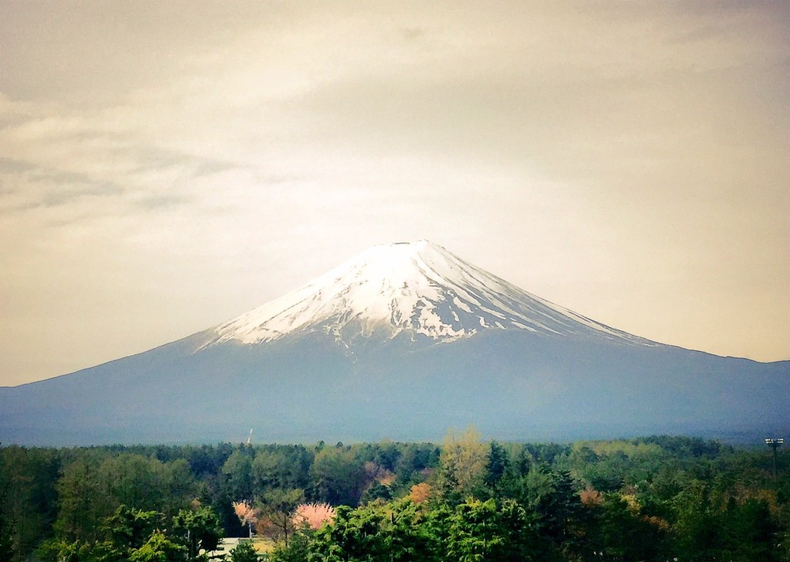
(417, 289)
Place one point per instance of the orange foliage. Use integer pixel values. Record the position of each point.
(591, 497)
(420, 493)
(246, 513)
(659, 522)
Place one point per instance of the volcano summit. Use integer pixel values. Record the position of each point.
(417, 289)
(403, 341)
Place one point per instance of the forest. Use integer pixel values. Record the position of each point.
(660, 498)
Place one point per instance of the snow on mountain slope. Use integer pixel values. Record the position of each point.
(416, 289)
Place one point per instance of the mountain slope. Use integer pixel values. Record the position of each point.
(403, 341)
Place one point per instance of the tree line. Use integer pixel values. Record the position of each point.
(652, 499)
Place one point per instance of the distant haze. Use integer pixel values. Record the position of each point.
(166, 166)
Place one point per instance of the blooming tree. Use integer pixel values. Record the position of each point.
(246, 514)
(313, 514)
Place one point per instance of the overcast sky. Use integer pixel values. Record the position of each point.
(166, 166)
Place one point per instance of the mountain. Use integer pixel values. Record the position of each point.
(403, 342)
(417, 289)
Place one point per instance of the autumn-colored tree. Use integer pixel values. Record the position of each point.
(462, 465)
(420, 493)
(591, 497)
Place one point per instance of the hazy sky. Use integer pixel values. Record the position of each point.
(165, 166)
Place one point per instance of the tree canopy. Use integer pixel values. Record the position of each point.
(648, 499)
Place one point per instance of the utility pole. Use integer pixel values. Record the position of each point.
(774, 444)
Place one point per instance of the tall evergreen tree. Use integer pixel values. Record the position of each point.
(496, 466)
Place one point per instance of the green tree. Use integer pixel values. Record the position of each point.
(130, 528)
(698, 525)
(134, 480)
(750, 532)
(557, 506)
(473, 533)
(237, 471)
(197, 529)
(517, 526)
(337, 477)
(627, 535)
(387, 455)
(6, 529)
(409, 536)
(483, 531)
(496, 466)
(180, 487)
(376, 491)
(277, 508)
(6, 533)
(159, 548)
(29, 505)
(281, 467)
(82, 502)
(58, 550)
(244, 552)
(298, 548)
(353, 536)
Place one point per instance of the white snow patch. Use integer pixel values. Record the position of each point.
(393, 289)
(461, 304)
